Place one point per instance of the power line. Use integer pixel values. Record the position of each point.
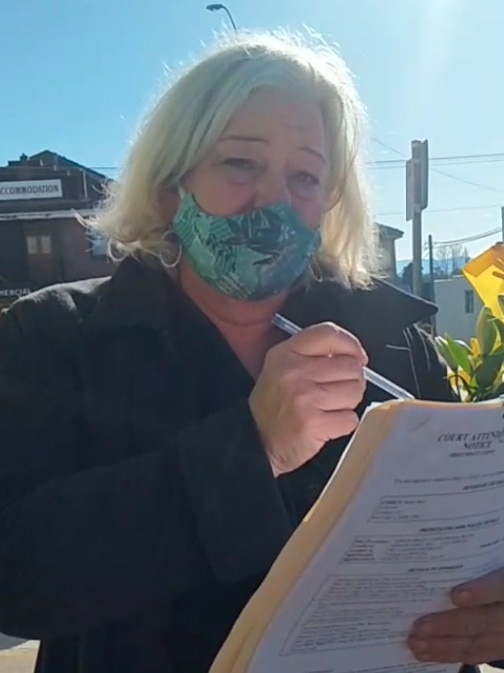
(393, 165)
(442, 210)
(391, 148)
(468, 182)
(469, 239)
(455, 157)
(472, 183)
(452, 160)
(457, 160)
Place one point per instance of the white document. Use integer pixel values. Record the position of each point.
(429, 515)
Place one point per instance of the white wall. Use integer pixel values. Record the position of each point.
(455, 316)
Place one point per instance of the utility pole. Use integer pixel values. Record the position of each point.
(502, 222)
(417, 197)
(431, 281)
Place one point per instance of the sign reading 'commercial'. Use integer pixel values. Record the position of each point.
(30, 189)
(13, 293)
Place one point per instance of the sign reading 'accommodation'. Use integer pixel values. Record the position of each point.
(30, 189)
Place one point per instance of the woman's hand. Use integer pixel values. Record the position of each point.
(472, 633)
(306, 394)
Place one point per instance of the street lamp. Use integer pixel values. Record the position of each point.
(219, 7)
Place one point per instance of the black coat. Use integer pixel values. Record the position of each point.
(138, 512)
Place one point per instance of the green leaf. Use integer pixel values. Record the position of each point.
(444, 352)
(487, 372)
(497, 392)
(459, 354)
(486, 330)
(500, 299)
(465, 346)
(499, 325)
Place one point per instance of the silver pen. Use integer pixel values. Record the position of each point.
(372, 377)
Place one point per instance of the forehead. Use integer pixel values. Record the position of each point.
(272, 114)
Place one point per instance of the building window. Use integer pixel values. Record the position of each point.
(469, 301)
(99, 244)
(39, 245)
(32, 245)
(45, 245)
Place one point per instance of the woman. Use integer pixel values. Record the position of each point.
(161, 440)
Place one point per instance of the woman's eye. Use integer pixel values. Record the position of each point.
(240, 164)
(307, 178)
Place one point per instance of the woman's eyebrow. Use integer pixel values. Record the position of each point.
(248, 139)
(257, 139)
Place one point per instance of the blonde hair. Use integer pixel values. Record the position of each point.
(189, 117)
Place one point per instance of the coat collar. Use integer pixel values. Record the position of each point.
(141, 294)
(381, 312)
(136, 295)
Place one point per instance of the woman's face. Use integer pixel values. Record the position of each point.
(272, 150)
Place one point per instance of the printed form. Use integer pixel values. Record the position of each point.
(428, 515)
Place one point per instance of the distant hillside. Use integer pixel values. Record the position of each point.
(442, 267)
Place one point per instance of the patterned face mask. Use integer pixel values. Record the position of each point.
(252, 256)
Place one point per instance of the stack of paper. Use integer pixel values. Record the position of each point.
(415, 507)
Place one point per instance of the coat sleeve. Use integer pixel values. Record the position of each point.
(430, 372)
(82, 547)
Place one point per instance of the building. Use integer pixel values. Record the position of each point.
(459, 307)
(387, 243)
(41, 241)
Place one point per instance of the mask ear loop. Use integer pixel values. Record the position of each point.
(173, 263)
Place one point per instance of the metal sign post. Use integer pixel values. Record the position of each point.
(417, 197)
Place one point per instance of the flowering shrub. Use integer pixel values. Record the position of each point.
(476, 369)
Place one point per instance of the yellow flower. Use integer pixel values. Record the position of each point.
(457, 381)
(475, 347)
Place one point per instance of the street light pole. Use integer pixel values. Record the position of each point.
(220, 7)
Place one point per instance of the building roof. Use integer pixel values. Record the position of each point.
(50, 159)
(389, 232)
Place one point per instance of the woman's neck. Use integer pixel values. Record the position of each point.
(246, 326)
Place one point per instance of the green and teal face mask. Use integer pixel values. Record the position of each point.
(252, 256)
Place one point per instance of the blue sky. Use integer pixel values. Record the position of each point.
(77, 75)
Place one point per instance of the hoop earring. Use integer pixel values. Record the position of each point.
(174, 262)
(316, 270)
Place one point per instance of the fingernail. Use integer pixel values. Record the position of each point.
(423, 628)
(462, 596)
